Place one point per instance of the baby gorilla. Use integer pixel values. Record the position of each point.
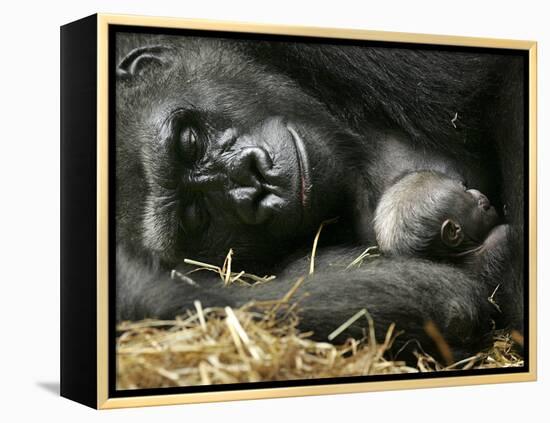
(428, 214)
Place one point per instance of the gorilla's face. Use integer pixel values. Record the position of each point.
(475, 213)
(229, 155)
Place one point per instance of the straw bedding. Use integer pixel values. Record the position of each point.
(261, 342)
(217, 346)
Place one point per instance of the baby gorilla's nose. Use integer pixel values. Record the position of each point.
(482, 200)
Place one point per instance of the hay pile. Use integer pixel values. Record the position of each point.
(261, 342)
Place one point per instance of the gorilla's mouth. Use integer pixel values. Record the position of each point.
(303, 164)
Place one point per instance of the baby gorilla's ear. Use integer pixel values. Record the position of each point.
(451, 233)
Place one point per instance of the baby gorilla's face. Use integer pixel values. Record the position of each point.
(429, 214)
(472, 212)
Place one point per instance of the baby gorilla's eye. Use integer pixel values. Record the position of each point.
(189, 145)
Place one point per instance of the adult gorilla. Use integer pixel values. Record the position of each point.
(251, 145)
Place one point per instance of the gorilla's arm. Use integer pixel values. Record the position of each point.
(498, 265)
(407, 292)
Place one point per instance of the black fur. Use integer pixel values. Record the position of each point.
(372, 113)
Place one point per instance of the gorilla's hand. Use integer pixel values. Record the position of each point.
(494, 255)
(498, 238)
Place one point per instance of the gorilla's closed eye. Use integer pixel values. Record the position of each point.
(188, 135)
(188, 144)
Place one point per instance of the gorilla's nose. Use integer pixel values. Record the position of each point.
(482, 200)
(251, 167)
(249, 172)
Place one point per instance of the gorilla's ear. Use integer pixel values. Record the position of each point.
(141, 59)
(451, 233)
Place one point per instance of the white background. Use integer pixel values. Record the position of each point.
(29, 175)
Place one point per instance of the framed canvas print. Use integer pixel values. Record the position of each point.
(254, 211)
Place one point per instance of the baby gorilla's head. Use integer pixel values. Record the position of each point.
(430, 215)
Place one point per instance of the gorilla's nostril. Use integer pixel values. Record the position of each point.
(251, 167)
(260, 164)
(255, 170)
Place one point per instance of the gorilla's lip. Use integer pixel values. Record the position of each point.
(303, 164)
